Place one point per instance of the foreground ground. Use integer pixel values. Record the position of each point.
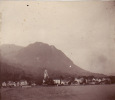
(88, 92)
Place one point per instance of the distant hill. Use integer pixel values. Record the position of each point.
(9, 50)
(39, 56)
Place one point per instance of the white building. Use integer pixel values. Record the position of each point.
(62, 82)
(11, 84)
(4, 84)
(23, 83)
(56, 81)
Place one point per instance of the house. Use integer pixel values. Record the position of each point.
(99, 80)
(11, 84)
(93, 80)
(23, 83)
(57, 81)
(80, 80)
(17, 83)
(4, 84)
(60, 82)
(106, 80)
(33, 84)
(64, 82)
(76, 81)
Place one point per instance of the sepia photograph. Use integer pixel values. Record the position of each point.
(57, 50)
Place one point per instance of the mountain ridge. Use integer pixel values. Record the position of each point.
(39, 56)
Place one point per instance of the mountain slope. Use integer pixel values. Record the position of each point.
(9, 72)
(39, 56)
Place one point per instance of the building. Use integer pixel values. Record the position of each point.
(4, 84)
(23, 83)
(57, 81)
(46, 77)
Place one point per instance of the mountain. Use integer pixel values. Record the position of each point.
(9, 72)
(39, 56)
(9, 50)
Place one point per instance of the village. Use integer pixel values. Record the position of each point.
(59, 81)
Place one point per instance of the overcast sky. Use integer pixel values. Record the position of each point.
(84, 31)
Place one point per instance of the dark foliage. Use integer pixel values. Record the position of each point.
(112, 79)
(11, 73)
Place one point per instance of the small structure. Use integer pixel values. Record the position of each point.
(23, 83)
(60, 82)
(4, 84)
(33, 84)
(11, 84)
(78, 81)
(106, 80)
(93, 79)
(64, 82)
(17, 83)
(56, 81)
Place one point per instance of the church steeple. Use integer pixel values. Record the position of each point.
(45, 74)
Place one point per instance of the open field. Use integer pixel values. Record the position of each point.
(88, 92)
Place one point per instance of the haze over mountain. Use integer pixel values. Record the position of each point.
(39, 56)
(9, 50)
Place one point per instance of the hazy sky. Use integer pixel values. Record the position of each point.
(84, 31)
